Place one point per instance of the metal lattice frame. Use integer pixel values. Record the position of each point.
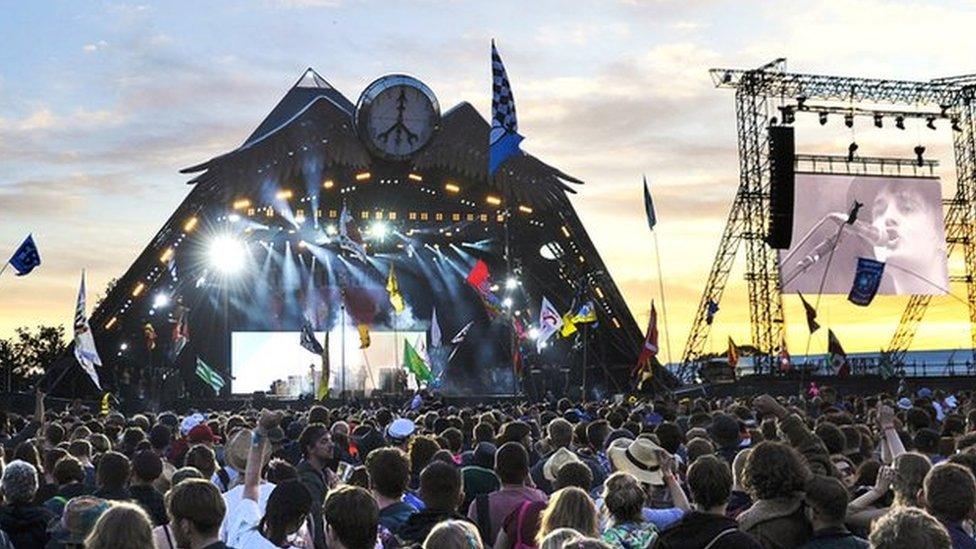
(749, 216)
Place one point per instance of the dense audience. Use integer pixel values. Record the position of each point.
(887, 471)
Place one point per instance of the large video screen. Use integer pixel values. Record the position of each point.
(275, 362)
(899, 223)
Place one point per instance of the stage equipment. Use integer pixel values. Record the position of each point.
(781, 191)
(749, 218)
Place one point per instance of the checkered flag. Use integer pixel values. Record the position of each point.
(503, 142)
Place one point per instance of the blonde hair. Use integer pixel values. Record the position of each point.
(559, 537)
(454, 534)
(123, 526)
(572, 508)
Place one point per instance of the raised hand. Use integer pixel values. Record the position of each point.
(886, 475)
(768, 406)
(886, 416)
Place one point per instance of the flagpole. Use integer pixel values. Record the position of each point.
(664, 303)
(823, 281)
(4, 268)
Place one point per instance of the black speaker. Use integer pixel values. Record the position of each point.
(782, 148)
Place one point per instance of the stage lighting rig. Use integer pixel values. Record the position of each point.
(161, 300)
(955, 125)
(801, 102)
(507, 303)
(851, 149)
(124, 346)
(823, 118)
(930, 122)
(379, 230)
(788, 114)
(511, 283)
(849, 120)
(226, 254)
(878, 117)
(919, 151)
(900, 122)
(331, 229)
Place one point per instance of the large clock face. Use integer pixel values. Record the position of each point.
(397, 115)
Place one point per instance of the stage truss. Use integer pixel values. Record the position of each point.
(757, 91)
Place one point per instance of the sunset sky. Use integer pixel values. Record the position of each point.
(101, 103)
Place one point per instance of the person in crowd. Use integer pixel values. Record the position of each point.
(909, 527)
(826, 501)
(146, 468)
(624, 498)
(24, 523)
(560, 538)
(196, 512)
(288, 506)
(441, 492)
(477, 473)
(775, 475)
(69, 474)
(576, 474)
(277, 470)
(351, 518)
(569, 508)
(489, 511)
(389, 477)
(708, 525)
(317, 450)
(453, 534)
(421, 450)
(112, 477)
(122, 526)
(654, 469)
(739, 499)
(949, 494)
(203, 458)
(75, 523)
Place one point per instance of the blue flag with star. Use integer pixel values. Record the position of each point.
(504, 139)
(26, 257)
(867, 279)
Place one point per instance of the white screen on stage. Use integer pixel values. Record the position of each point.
(900, 223)
(258, 359)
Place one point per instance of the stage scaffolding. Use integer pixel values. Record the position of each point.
(757, 92)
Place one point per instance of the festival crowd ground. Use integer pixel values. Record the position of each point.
(885, 471)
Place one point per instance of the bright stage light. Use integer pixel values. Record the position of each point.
(533, 333)
(507, 302)
(331, 229)
(226, 254)
(511, 283)
(379, 230)
(161, 300)
(124, 346)
(233, 218)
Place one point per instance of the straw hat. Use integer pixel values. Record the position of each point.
(556, 461)
(641, 458)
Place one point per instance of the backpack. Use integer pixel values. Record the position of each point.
(483, 511)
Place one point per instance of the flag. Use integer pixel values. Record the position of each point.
(181, 333)
(811, 315)
(711, 307)
(586, 314)
(393, 288)
(209, 376)
(480, 279)
(649, 207)
(106, 405)
(549, 322)
(364, 340)
(504, 139)
(644, 367)
(733, 354)
(838, 358)
(322, 391)
(435, 329)
(569, 325)
(85, 351)
(307, 339)
(867, 278)
(26, 257)
(349, 237)
(784, 359)
(458, 339)
(414, 364)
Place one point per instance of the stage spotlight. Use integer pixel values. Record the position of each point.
(511, 283)
(823, 118)
(161, 300)
(533, 333)
(900, 122)
(379, 230)
(930, 122)
(955, 125)
(851, 149)
(123, 346)
(877, 120)
(507, 302)
(233, 218)
(331, 229)
(788, 116)
(849, 120)
(226, 254)
(919, 151)
(801, 102)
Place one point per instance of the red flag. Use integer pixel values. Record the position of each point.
(784, 359)
(649, 350)
(479, 276)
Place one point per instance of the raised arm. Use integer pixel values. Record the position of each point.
(678, 495)
(886, 422)
(259, 437)
(799, 436)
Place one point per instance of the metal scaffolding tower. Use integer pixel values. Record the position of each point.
(755, 92)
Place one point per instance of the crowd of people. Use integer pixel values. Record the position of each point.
(830, 471)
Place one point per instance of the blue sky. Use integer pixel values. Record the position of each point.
(101, 103)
